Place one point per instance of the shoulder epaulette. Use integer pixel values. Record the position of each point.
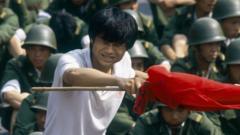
(150, 117)
(197, 117)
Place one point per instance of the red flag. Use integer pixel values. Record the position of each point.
(190, 91)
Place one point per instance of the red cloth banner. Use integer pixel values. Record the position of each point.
(190, 91)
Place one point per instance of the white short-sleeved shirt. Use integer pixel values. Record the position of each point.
(83, 112)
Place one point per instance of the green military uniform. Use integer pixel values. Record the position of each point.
(149, 34)
(124, 119)
(189, 65)
(155, 56)
(8, 27)
(84, 11)
(149, 42)
(26, 16)
(21, 69)
(26, 122)
(225, 120)
(160, 19)
(152, 123)
(180, 23)
(231, 10)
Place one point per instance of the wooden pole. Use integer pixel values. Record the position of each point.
(107, 88)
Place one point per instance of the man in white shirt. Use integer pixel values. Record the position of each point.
(105, 63)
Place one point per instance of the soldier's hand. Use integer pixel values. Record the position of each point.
(180, 45)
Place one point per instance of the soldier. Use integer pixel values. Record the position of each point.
(125, 118)
(166, 121)
(8, 27)
(23, 72)
(25, 115)
(229, 19)
(148, 30)
(28, 10)
(138, 55)
(163, 11)
(83, 9)
(233, 62)
(174, 41)
(39, 107)
(10, 45)
(205, 38)
(230, 119)
(155, 56)
(69, 31)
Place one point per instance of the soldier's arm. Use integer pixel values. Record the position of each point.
(138, 129)
(14, 98)
(205, 126)
(11, 90)
(8, 27)
(150, 30)
(166, 42)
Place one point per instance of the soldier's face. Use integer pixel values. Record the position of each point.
(174, 117)
(205, 5)
(231, 27)
(234, 73)
(209, 51)
(138, 64)
(105, 54)
(38, 55)
(40, 119)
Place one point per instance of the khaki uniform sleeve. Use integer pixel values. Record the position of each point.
(8, 26)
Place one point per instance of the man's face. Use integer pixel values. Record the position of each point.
(234, 73)
(231, 27)
(206, 5)
(138, 64)
(38, 55)
(40, 119)
(209, 51)
(105, 54)
(174, 117)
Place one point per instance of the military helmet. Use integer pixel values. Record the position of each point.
(205, 30)
(138, 50)
(136, 17)
(47, 74)
(232, 52)
(226, 9)
(117, 2)
(42, 35)
(40, 102)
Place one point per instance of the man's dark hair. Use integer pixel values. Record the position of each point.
(113, 25)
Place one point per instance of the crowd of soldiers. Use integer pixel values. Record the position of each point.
(193, 36)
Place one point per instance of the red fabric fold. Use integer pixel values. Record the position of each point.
(190, 91)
